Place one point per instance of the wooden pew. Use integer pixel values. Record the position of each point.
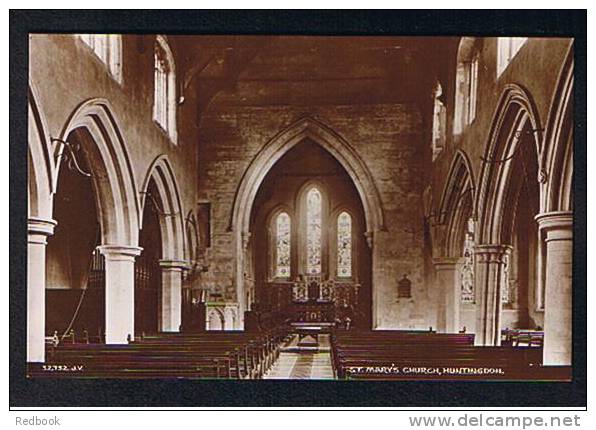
(203, 355)
(402, 355)
(520, 337)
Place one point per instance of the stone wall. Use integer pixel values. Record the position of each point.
(389, 140)
(64, 73)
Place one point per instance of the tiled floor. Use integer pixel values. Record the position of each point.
(307, 363)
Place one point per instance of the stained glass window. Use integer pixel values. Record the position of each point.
(283, 233)
(467, 270)
(313, 232)
(344, 245)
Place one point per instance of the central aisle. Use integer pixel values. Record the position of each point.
(295, 362)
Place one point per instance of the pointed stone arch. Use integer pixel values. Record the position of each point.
(41, 161)
(116, 191)
(280, 144)
(557, 155)
(277, 147)
(515, 139)
(515, 115)
(99, 136)
(171, 220)
(215, 319)
(457, 201)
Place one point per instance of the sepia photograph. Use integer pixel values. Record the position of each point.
(208, 206)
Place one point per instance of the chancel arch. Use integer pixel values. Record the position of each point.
(272, 152)
(309, 187)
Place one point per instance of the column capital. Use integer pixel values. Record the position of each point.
(560, 220)
(491, 253)
(445, 263)
(120, 252)
(173, 264)
(39, 229)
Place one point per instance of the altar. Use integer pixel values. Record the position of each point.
(312, 329)
(305, 302)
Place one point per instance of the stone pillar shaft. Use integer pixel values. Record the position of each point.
(489, 281)
(448, 294)
(558, 287)
(38, 231)
(120, 292)
(171, 294)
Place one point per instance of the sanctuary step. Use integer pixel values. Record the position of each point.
(298, 343)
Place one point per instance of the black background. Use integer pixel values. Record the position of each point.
(183, 393)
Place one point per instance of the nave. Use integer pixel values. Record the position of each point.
(417, 223)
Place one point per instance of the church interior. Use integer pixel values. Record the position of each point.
(300, 207)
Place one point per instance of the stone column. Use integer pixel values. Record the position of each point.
(489, 282)
(38, 230)
(120, 292)
(171, 294)
(558, 283)
(447, 290)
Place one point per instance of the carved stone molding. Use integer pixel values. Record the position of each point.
(558, 225)
(120, 252)
(491, 253)
(39, 229)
